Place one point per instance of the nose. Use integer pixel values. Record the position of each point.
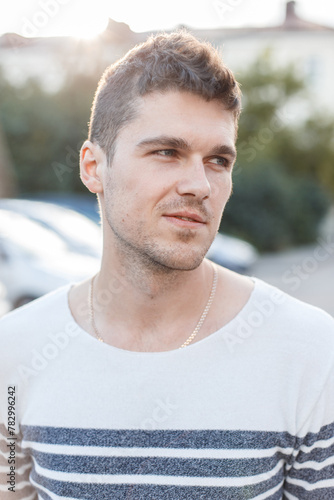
(194, 181)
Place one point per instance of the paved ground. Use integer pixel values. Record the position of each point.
(306, 273)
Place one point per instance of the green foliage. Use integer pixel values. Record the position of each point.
(272, 209)
(309, 150)
(45, 132)
(270, 131)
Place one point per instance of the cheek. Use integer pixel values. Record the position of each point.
(220, 192)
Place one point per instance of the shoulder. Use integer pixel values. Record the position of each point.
(290, 312)
(298, 332)
(275, 320)
(28, 322)
(33, 334)
(257, 308)
(42, 304)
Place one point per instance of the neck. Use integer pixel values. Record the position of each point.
(151, 287)
(149, 304)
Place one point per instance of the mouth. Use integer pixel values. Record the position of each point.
(186, 219)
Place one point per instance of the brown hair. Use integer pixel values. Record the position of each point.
(176, 61)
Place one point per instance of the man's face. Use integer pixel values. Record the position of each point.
(169, 180)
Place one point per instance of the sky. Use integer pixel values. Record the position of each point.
(88, 18)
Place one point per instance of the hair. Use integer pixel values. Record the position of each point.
(176, 61)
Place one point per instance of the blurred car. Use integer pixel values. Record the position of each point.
(35, 260)
(233, 253)
(80, 234)
(85, 204)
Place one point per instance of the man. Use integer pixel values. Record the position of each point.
(164, 376)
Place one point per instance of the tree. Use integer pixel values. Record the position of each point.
(45, 131)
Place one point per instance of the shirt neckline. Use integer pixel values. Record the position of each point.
(190, 348)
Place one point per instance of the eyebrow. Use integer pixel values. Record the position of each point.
(177, 143)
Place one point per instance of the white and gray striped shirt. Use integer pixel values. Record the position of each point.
(246, 413)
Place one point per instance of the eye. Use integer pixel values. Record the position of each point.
(219, 160)
(165, 152)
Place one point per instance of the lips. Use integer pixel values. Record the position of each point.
(187, 216)
(185, 220)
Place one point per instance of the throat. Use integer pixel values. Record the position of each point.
(155, 320)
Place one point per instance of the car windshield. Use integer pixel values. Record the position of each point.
(30, 236)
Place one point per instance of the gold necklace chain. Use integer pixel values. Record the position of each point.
(189, 339)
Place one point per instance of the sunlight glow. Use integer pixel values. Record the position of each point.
(89, 30)
(59, 18)
(88, 18)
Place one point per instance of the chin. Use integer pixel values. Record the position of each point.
(181, 261)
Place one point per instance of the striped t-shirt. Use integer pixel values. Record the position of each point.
(246, 413)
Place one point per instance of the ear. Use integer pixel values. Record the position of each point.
(92, 162)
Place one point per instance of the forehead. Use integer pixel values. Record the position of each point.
(181, 114)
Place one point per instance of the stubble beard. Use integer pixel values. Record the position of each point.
(144, 255)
